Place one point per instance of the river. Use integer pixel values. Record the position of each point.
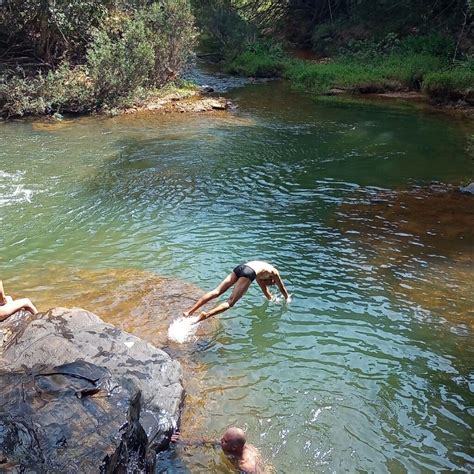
(369, 368)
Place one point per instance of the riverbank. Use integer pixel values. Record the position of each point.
(411, 74)
(188, 97)
(187, 100)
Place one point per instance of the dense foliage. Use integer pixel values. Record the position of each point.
(358, 45)
(80, 55)
(327, 23)
(83, 55)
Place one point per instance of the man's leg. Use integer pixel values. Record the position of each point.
(222, 288)
(239, 290)
(13, 306)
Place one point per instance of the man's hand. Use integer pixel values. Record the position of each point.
(175, 437)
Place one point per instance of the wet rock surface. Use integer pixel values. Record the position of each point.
(141, 303)
(80, 395)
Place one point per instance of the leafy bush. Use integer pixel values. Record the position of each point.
(391, 44)
(120, 62)
(432, 44)
(65, 89)
(53, 29)
(126, 46)
(223, 31)
(172, 33)
(150, 48)
(261, 59)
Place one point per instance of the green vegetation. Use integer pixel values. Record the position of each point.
(225, 33)
(261, 59)
(454, 83)
(83, 55)
(87, 55)
(414, 64)
(394, 72)
(359, 46)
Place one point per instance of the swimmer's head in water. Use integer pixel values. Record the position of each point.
(233, 440)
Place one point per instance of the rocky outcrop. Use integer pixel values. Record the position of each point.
(469, 189)
(196, 103)
(82, 396)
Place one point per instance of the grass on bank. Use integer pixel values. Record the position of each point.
(408, 70)
(455, 83)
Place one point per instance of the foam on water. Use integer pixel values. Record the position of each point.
(11, 191)
(280, 299)
(182, 329)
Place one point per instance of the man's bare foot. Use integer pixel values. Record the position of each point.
(187, 313)
(29, 306)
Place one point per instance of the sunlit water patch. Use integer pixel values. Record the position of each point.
(361, 371)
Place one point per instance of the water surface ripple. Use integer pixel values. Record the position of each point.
(370, 367)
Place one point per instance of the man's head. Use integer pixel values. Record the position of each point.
(270, 280)
(233, 441)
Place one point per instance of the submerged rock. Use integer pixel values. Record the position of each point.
(141, 303)
(72, 388)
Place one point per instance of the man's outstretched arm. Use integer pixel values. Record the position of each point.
(281, 286)
(264, 289)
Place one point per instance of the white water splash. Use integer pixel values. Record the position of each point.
(279, 299)
(22, 193)
(182, 329)
(11, 192)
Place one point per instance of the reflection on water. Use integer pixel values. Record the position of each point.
(423, 240)
(369, 367)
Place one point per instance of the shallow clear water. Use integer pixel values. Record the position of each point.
(370, 366)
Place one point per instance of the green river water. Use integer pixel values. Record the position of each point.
(370, 367)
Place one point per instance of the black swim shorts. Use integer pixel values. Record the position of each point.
(245, 271)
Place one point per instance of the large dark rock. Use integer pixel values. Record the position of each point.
(79, 395)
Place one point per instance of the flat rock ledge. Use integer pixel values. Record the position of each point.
(195, 102)
(79, 395)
